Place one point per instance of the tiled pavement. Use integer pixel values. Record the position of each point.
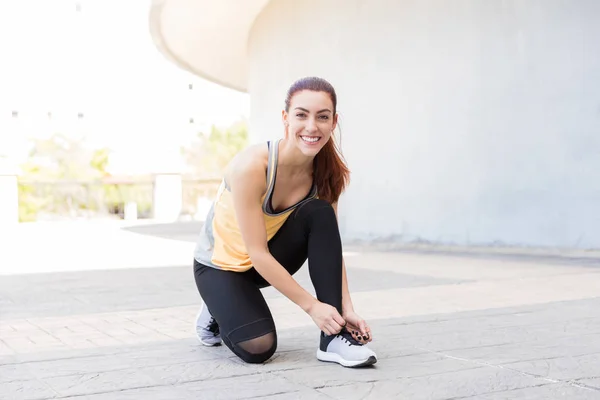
(445, 327)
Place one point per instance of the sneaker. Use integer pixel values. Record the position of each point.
(207, 328)
(345, 350)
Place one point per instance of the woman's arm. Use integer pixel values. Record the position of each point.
(247, 181)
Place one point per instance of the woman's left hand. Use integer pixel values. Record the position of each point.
(357, 327)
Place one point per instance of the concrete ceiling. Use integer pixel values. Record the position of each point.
(206, 37)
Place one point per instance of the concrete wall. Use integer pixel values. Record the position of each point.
(469, 122)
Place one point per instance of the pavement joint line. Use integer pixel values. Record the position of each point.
(371, 381)
(47, 385)
(497, 391)
(486, 364)
(459, 318)
(583, 385)
(276, 373)
(527, 374)
(509, 343)
(44, 330)
(553, 358)
(85, 395)
(492, 328)
(109, 370)
(146, 386)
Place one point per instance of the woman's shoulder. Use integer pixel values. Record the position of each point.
(251, 161)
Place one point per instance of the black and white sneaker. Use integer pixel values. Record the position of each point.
(207, 328)
(345, 350)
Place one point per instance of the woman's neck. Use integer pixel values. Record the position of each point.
(292, 159)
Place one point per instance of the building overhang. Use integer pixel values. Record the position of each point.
(206, 37)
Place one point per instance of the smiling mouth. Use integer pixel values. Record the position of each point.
(310, 139)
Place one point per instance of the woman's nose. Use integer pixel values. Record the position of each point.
(311, 126)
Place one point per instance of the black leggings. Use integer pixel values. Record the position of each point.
(235, 300)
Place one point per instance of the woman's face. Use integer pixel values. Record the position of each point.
(310, 121)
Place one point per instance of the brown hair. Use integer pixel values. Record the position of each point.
(331, 174)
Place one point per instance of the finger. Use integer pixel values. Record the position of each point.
(363, 327)
(333, 328)
(357, 335)
(338, 318)
(361, 337)
(369, 336)
(326, 329)
(337, 328)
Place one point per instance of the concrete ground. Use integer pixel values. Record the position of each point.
(105, 311)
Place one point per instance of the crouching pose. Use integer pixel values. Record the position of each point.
(276, 208)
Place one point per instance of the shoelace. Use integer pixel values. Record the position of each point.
(213, 326)
(347, 337)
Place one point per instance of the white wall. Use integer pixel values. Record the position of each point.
(463, 121)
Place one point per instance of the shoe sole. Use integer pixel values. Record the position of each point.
(336, 358)
(208, 344)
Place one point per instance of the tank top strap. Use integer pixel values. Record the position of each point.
(272, 164)
(271, 172)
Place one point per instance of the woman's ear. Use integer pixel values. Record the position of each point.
(284, 120)
(284, 117)
(335, 122)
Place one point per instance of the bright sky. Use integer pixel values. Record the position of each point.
(101, 62)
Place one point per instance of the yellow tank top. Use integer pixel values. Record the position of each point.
(220, 244)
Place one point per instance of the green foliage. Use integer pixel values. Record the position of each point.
(60, 158)
(100, 159)
(210, 154)
(29, 203)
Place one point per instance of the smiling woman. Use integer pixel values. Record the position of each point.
(315, 127)
(259, 232)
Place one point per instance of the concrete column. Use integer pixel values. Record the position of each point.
(9, 196)
(167, 202)
(130, 211)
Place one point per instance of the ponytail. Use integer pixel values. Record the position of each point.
(331, 174)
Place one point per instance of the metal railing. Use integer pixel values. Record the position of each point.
(108, 198)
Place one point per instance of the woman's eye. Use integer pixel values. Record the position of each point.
(325, 117)
(300, 115)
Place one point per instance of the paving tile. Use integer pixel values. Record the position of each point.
(302, 394)
(531, 350)
(151, 393)
(5, 351)
(562, 368)
(15, 372)
(99, 382)
(243, 387)
(27, 390)
(591, 382)
(76, 366)
(175, 374)
(72, 363)
(545, 392)
(330, 374)
(434, 387)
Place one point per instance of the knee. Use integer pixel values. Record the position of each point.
(257, 352)
(258, 357)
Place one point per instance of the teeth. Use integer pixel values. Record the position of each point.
(310, 139)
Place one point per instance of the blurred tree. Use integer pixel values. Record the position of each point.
(208, 156)
(55, 168)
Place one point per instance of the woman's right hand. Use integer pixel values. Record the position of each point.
(327, 318)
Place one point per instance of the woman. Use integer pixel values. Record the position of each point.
(276, 207)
